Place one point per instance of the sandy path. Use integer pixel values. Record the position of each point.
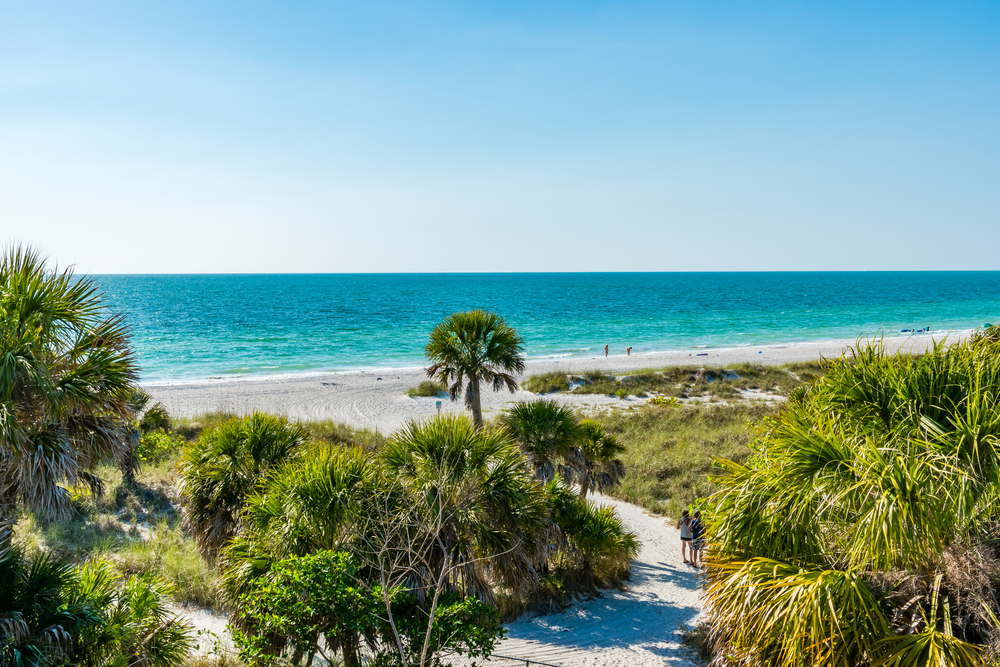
(636, 628)
(376, 399)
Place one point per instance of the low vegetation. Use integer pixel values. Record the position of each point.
(669, 451)
(681, 381)
(427, 388)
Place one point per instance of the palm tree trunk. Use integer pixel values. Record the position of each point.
(474, 402)
(584, 485)
(8, 514)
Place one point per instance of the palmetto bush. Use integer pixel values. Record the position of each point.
(444, 509)
(53, 613)
(596, 547)
(225, 466)
(546, 433)
(66, 373)
(862, 529)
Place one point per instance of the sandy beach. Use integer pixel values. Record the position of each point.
(376, 399)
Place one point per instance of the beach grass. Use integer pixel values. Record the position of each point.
(669, 450)
(427, 388)
(546, 383)
(136, 527)
(681, 381)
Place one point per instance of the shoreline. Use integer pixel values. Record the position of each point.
(580, 362)
(376, 399)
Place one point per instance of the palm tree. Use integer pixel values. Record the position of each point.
(471, 348)
(545, 431)
(473, 488)
(225, 467)
(66, 370)
(860, 531)
(593, 459)
(136, 628)
(445, 508)
(597, 546)
(146, 419)
(37, 627)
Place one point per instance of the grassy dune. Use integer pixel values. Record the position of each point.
(669, 450)
(680, 381)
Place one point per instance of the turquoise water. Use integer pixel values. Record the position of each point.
(198, 326)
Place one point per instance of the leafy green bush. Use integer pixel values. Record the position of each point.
(305, 599)
(426, 388)
(665, 401)
(322, 595)
(158, 445)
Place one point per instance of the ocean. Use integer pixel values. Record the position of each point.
(190, 327)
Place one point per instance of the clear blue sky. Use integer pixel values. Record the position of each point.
(507, 136)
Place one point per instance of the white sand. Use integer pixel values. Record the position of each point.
(636, 628)
(377, 400)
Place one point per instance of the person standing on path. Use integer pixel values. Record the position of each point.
(605, 351)
(628, 351)
(697, 538)
(684, 525)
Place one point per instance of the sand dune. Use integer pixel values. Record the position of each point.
(376, 399)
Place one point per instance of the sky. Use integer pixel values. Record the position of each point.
(258, 137)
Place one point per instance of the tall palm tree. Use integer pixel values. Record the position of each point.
(474, 348)
(861, 530)
(545, 431)
(594, 459)
(225, 466)
(66, 370)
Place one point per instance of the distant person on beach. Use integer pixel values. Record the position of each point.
(605, 351)
(697, 537)
(628, 351)
(684, 525)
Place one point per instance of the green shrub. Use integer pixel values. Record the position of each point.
(546, 383)
(426, 388)
(665, 401)
(158, 445)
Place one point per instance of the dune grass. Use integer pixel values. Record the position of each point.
(427, 388)
(669, 450)
(322, 430)
(681, 381)
(546, 383)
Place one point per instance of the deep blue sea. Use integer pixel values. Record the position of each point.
(197, 326)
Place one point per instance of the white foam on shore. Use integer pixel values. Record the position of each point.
(670, 357)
